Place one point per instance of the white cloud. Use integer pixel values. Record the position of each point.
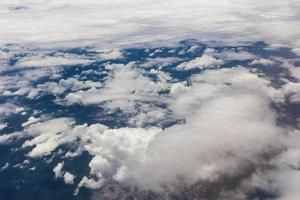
(159, 62)
(226, 124)
(228, 121)
(226, 114)
(31, 120)
(206, 61)
(262, 61)
(235, 55)
(126, 85)
(90, 183)
(69, 178)
(288, 184)
(3, 126)
(58, 170)
(48, 136)
(128, 22)
(177, 88)
(148, 116)
(111, 55)
(107, 146)
(292, 90)
(213, 83)
(9, 108)
(50, 61)
(291, 66)
(63, 85)
(6, 138)
(4, 167)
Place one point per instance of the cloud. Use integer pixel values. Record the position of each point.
(159, 62)
(148, 21)
(292, 90)
(3, 126)
(9, 108)
(4, 167)
(72, 84)
(228, 123)
(58, 170)
(48, 136)
(69, 178)
(235, 55)
(219, 122)
(89, 183)
(111, 55)
(206, 61)
(125, 86)
(262, 61)
(108, 146)
(282, 179)
(31, 120)
(60, 173)
(50, 61)
(255, 15)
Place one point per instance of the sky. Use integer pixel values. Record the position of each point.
(156, 99)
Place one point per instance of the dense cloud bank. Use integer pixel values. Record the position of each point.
(102, 96)
(106, 23)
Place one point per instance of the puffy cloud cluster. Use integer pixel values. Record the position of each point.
(125, 86)
(228, 124)
(205, 61)
(59, 173)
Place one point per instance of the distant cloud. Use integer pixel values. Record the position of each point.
(148, 22)
(111, 55)
(262, 61)
(206, 61)
(50, 61)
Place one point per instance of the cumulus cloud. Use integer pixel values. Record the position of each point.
(58, 170)
(109, 147)
(203, 62)
(9, 108)
(48, 136)
(223, 129)
(111, 55)
(228, 123)
(69, 178)
(31, 120)
(159, 62)
(125, 86)
(292, 90)
(218, 122)
(262, 61)
(63, 85)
